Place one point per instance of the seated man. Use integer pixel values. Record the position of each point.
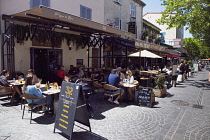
(5, 83)
(97, 74)
(79, 75)
(114, 80)
(72, 71)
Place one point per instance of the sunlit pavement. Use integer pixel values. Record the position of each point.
(182, 114)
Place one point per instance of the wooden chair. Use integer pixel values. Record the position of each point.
(5, 91)
(109, 90)
(31, 106)
(97, 86)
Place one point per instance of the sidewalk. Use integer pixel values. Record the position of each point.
(182, 114)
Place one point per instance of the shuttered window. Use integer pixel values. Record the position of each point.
(117, 23)
(36, 3)
(133, 10)
(85, 12)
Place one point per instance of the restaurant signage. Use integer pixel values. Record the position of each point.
(132, 27)
(147, 45)
(144, 97)
(71, 103)
(58, 15)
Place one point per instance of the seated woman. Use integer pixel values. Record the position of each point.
(130, 79)
(29, 88)
(5, 83)
(31, 73)
(35, 90)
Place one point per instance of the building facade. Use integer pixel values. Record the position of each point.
(169, 36)
(64, 33)
(26, 53)
(125, 15)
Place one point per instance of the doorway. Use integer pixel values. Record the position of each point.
(44, 61)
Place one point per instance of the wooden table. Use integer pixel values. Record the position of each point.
(128, 85)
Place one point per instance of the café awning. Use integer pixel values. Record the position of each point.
(40, 14)
(144, 53)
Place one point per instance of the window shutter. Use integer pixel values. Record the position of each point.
(82, 11)
(46, 3)
(34, 3)
(85, 12)
(117, 23)
(89, 13)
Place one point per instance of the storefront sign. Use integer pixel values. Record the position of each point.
(132, 27)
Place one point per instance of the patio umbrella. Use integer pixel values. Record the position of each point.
(144, 53)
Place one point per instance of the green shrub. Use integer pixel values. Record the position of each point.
(159, 80)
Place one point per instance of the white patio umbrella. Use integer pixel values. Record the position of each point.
(144, 53)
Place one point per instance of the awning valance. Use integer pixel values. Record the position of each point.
(40, 13)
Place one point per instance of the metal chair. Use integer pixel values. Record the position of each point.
(109, 91)
(31, 106)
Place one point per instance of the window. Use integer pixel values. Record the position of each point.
(133, 10)
(85, 12)
(117, 23)
(117, 1)
(36, 3)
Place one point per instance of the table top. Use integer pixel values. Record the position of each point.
(16, 83)
(128, 85)
(51, 91)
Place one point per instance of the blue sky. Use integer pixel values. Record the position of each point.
(155, 6)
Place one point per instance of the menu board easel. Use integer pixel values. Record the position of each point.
(71, 107)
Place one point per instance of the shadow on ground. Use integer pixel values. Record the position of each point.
(83, 135)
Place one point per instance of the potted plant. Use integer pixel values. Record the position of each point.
(144, 35)
(160, 89)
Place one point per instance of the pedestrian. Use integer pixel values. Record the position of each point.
(181, 68)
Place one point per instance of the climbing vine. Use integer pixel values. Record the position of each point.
(44, 34)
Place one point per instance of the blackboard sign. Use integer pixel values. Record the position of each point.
(132, 27)
(67, 108)
(144, 96)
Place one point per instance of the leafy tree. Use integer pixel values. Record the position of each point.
(196, 48)
(191, 47)
(191, 13)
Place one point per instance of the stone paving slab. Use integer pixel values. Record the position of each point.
(127, 121)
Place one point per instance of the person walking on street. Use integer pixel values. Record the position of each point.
(182, 69)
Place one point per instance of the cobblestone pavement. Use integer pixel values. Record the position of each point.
(182, 115)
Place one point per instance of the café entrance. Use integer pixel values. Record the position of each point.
(44, 61)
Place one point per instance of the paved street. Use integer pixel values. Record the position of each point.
(183, 114)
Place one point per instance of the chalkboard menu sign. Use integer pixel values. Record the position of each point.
(71, 102)
(132, 27)
(144, 96)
